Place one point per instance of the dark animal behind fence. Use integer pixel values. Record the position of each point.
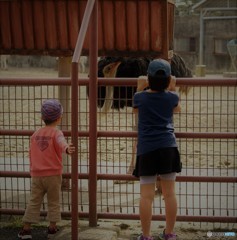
(132, 68)
(129, 68)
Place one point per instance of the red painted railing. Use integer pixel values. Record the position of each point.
(194, 178)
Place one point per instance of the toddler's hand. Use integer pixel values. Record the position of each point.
(70, 149)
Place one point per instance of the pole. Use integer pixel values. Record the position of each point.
(74, 134)
(201, 41)
(74, 114)
(93, 82)
(64, 70)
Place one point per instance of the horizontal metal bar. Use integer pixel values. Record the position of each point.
(22, 174)
(177, 134)
(207, 81)
(9, 132)
(41, 82)
(220, 18)
(178, 178)
(127, 177)
(125, 134)
(221, 9)
(115, 81)
(181, 218)
(42, 213)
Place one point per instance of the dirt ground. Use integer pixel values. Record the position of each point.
(126, 229)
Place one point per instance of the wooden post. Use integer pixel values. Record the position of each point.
(200, 70)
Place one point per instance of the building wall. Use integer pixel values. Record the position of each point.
(216, 33)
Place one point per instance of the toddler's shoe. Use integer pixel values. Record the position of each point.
(144, 238)
(52, 232)
(25, 234)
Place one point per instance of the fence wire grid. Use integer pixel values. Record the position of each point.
(205, 109)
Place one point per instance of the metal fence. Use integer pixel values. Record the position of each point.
(206, 131)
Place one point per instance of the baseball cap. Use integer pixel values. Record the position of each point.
(158, 65)
(51, 110)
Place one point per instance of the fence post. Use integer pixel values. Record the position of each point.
(64, 70)
(74, 134)
(93, 27)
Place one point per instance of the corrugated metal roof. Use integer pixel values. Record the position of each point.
(51, 27)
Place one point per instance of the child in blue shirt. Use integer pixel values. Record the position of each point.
(157, 152)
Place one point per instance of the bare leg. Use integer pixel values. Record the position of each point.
(134, 148)
(168, 190)
(132, 163)
(147, 197)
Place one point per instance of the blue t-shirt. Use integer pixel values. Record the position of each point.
(155, 120)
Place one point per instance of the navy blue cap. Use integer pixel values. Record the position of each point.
(158, 65)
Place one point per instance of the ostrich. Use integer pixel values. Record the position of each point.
(120, 68)
(129, 67)
(109, 71)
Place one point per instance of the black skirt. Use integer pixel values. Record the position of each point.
(159, 161)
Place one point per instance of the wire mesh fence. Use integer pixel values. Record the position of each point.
(208, 109)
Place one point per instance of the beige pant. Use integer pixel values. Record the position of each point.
(40, 186)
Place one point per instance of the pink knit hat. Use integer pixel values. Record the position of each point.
(51, 110)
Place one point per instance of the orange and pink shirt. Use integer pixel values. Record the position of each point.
(46, 147)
